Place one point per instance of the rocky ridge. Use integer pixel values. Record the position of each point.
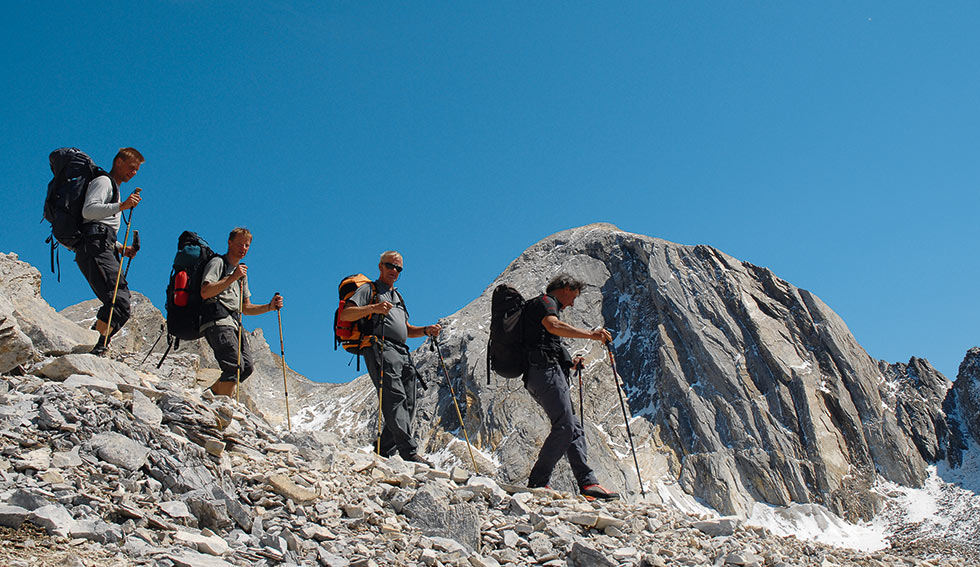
(103, 463)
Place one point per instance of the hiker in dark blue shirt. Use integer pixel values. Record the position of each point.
(546, 379)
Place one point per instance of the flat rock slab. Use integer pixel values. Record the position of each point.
(119, 450)
(145, 410)
(212, 545)
(53, 518)
(285, 487)
(195, 559)
(107, 369)
(13, 516)
(90, 383)
(97, 530)
(67, 459)
(176, 509)
(718, 527)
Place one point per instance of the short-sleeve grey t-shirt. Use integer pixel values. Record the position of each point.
(230, 297)
(396, 322)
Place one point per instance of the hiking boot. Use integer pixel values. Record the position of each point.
(99, 350)
(416, 458)
(597, 492)
(547, 486)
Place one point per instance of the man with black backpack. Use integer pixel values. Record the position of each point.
(380, 311)
(224, 289)
(546, 379)
(98, 254)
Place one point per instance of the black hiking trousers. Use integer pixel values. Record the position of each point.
(398, 396)
(548, 385)
(96, 258)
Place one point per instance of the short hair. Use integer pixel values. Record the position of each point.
(390, 255)
(241, 230)
(129, 154)
(564, 281)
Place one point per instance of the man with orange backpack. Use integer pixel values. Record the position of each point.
(383, 320)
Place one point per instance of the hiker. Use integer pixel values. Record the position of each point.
(224, 280)
(389, 356)
(98, 254)
(546, 379)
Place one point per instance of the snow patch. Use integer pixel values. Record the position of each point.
(812, 522)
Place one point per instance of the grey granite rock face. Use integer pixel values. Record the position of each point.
(49, 332)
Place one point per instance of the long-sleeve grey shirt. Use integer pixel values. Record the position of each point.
(99, 206)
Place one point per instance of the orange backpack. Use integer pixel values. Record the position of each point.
(352, 335)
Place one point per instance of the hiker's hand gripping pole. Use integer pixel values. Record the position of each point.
(131, 253)
(115, 290)
(282, 357)
(434, 345)
(622, 403)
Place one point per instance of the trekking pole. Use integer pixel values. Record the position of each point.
(433, 345)
(238, 369)
(163, 329)
(581, 403)
(622, 404)
(381, 383)
(115, 290)
(282, 356)
(136, 248)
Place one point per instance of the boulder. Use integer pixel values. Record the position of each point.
(119, 450)
(430, 511)
(50, 332)
(53, 518)
(106, 369)
(16, 347)
(13, 516)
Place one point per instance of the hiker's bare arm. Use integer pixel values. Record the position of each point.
(212, 289)
(252, 309)
(352, 312)
(556, 326)
(426, 331)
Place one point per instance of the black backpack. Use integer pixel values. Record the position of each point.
(72, 169)
(505, 351)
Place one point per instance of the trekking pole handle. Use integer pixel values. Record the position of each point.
(274, 297)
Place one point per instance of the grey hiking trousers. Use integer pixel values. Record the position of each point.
(548, 385)
(398, 396)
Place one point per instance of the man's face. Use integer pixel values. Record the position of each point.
(126, 168)
(238, 246)
(390, 269)
(566, 296)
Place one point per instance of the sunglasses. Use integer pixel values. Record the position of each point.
(391, 266)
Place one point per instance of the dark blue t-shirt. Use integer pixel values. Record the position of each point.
(542, 347)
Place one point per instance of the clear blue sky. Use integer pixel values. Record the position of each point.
(833, 142)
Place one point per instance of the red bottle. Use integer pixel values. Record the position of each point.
(180, 289)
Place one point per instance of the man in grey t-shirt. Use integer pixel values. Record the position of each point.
(389, 355)
(98, 254)
(224, 289)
